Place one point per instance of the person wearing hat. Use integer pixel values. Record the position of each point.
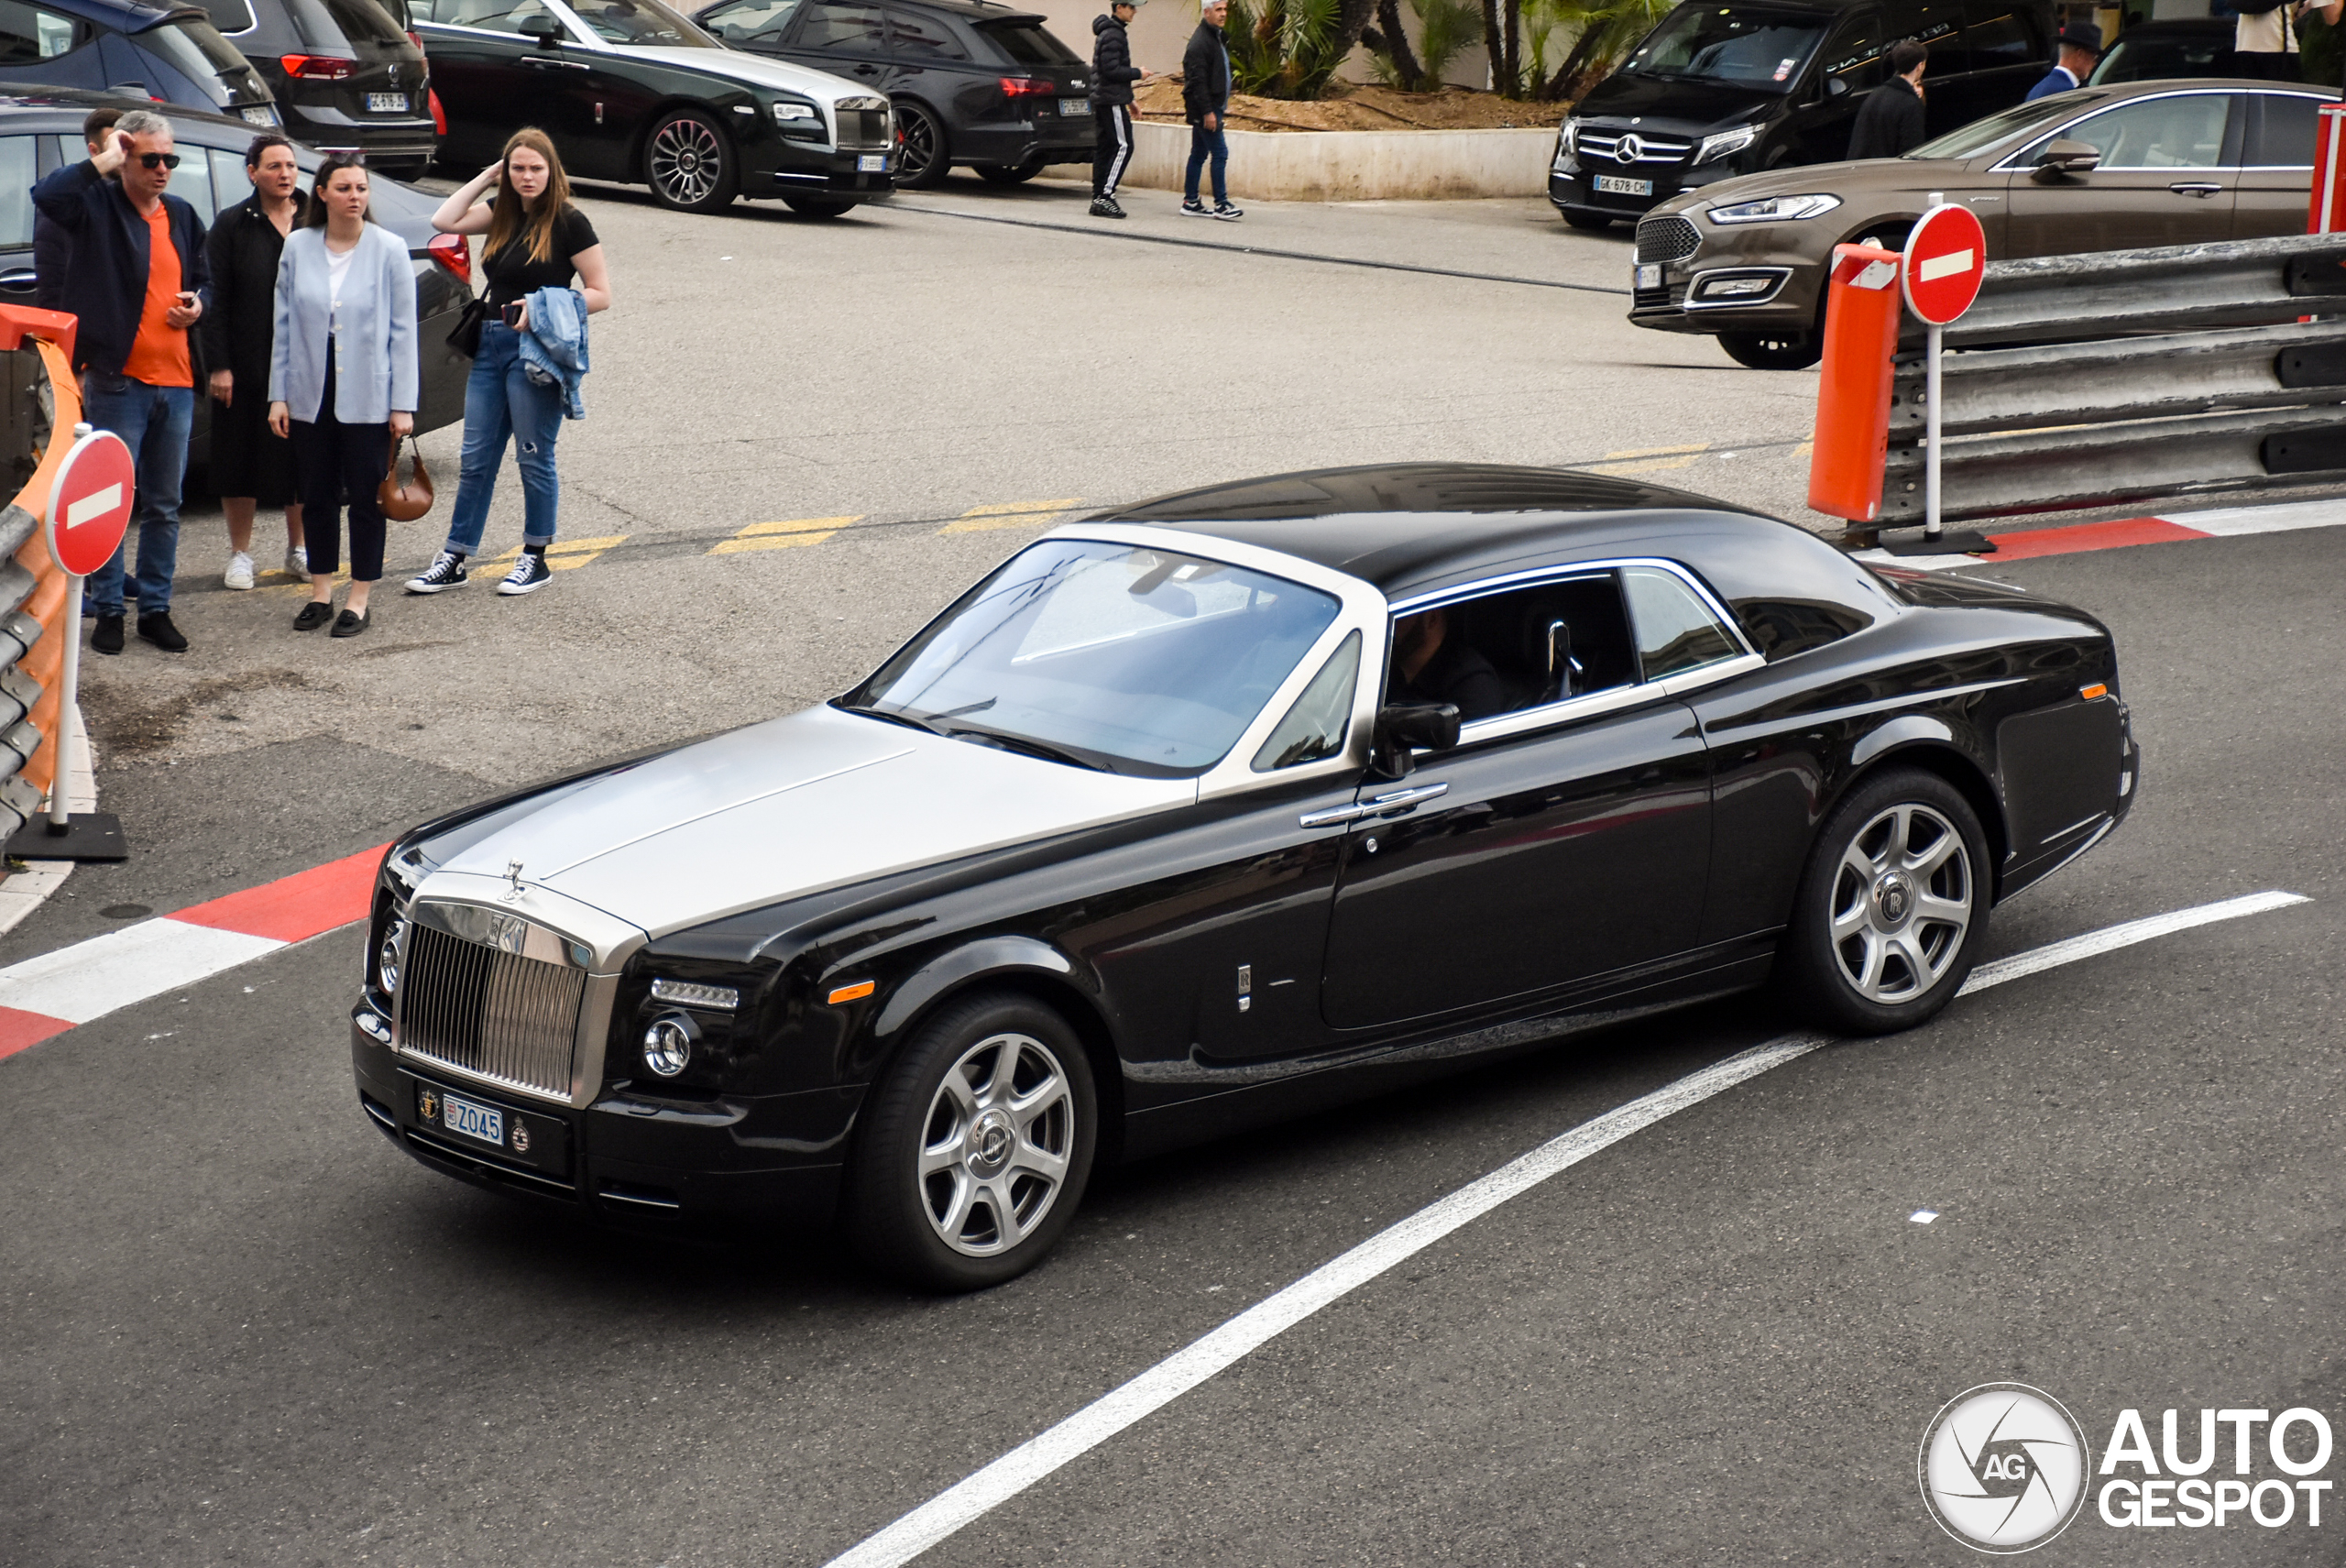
(2080, 47)
(1113, 76)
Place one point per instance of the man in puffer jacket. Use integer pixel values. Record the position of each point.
(1113, 77)
(1205, 100)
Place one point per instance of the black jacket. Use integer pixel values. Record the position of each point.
(1205, 74)
(1890, 121)
(106, 285)
(1112, 71)
(53, 258)
(238, 329)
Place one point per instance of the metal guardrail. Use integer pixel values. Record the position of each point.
(38, 398)
(2116, 377)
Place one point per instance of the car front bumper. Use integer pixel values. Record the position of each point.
(782, 168)
(1757, 278)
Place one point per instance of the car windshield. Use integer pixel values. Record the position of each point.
(1982, 135)
(1027, 43)
(1738, 44)
(641, 22)
(1109, 656)
(2139, 57)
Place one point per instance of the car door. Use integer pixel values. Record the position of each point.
(2276, 164)
(2168, 174)
(19, 167)
(1849, 66)
(606, 96)
(477, 52)
(845, 38)
(1556, 843)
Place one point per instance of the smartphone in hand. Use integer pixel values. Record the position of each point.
(512, 313)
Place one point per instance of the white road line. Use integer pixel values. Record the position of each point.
(1011, 1474)
(91, 979)
(2235, 521)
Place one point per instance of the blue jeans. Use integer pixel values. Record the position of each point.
(153, 421)
(1204, 144)
(500, 402)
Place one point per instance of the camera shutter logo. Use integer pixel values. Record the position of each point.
(2003, 1467)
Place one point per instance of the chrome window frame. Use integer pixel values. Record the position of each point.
(2008, 164)
(2300, 90)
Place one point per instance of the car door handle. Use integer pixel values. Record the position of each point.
(18, 280)
(1393, 803)
(2196, 188)
(543, 63)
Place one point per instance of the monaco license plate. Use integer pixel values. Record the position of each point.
(258, 116)
(1075, 105)
(485, 1122)
(387, 102)
(1619, 185)
(872, 163)
(1649, 275)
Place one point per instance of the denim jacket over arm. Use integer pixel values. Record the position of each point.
(554, 351)
(375, 361)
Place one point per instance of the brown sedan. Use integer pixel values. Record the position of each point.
(2142, 163)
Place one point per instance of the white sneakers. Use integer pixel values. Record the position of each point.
(240, 571)
(297, 560)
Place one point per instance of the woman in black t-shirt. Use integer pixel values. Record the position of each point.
(536, 239)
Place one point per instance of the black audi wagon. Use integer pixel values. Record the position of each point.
(346, 73)
(171, 54)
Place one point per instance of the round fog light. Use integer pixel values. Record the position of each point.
(668, 1044)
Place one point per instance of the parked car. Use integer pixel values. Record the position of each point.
(633, 92)
(2156, 51)
(1137, 844)
(2116, 167)
(1717, 90)
(973, 85)
(346, 74)
(39, 131)
(171, 54)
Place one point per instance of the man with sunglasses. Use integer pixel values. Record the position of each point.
(139, 280)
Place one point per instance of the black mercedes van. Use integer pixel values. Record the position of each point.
(1718, 89)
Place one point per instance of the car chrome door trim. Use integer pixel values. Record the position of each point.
(1392, 803)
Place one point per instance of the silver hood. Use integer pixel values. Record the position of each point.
(816, 800)
(756, 71)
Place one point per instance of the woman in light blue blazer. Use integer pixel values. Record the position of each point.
(343, 379)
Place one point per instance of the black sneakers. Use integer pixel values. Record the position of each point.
(1194, 208)
(1226, 213)
(1105, 207)
(530, 573)
(107, 638)
(446, 571)
(157, 629)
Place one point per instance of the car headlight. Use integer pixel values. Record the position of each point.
(784, 114)
(1774, 209)
(1725, 142)
(1568, 138)
(668, 1044)
(386, 956)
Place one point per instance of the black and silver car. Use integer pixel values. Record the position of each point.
(171, 54)
(975, 86)
(633, 92)
(1137, 843)
(345, 75)
(1716, 90)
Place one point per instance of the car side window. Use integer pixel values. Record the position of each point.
(18, 156)
(924, 37)
(231, 16)
(1998, 35)
(1316, 728)
(854, 29)
(230, 183)
(752, 21)
(1677, 631)
(2285, 130)
(1505, 652)
(1853, 57)
(2186, 131)
(29, 35)
(490, 16)
(1941, 33)
(191, 183)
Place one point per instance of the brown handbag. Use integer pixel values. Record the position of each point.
(405, 503)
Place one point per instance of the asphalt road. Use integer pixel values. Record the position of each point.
(242, 1328)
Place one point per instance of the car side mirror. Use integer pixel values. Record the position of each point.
(543, 27)
(2062, 158)
(1405, 726)
(1835, 88)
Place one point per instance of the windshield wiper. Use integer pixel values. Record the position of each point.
(906, 719)
(1042, 749)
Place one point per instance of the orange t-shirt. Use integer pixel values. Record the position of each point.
(159, 354)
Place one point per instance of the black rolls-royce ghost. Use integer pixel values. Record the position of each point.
(1216, 808)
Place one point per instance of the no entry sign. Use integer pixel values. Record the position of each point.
(89, 506)
(1945, 258)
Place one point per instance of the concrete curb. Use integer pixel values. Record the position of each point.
(22, 892)
(1355, 166)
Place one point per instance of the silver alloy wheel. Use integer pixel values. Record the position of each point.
(995, 1147)
(687, 161)
(1901, 903)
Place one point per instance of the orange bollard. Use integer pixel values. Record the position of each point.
(2325, 209)
(1861, 317)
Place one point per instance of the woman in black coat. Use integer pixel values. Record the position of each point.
(251, 466)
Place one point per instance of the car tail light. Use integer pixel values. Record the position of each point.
(1028, 87)
(452, 252)
(439, 114)
(417, 40)
(318, 67)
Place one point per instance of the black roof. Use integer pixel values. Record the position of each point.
(1410, 526)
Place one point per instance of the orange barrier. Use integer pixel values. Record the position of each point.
(1852, 439)
(52, 334)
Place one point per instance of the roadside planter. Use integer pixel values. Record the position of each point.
(1355, 166)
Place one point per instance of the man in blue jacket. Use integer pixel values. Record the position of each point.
(2080, 48)
(1205, 100)
(139, 280)
(1113, 75)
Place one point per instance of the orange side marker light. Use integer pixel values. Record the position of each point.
(2089, 693)
(855, 992)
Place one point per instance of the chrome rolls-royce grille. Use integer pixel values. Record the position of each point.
(501, 1015)
(1667, 239)
(864, 124)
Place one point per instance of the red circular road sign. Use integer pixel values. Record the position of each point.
(1945, 258)
(89, 506)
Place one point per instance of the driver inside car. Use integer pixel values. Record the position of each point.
(1428, 667)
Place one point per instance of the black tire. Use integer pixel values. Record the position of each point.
(924, 154)
(689, 163)
(1794, 349)
(902, 1219)
(1589, 221)
(818, 206)
(1010, 173)
(1896, 824)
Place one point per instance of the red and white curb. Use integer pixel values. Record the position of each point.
(2025, 544)
(24, 891)
(41, 998)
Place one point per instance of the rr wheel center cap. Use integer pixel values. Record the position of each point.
(992, 1138)
(1893, 900)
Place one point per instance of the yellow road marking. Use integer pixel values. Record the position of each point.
(1655, 459)
(1011, 515)
(783, 535)
(562, 555)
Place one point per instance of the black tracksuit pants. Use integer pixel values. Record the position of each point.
(1111, 145)
(333, 459)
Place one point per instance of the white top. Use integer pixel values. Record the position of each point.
(338, 268)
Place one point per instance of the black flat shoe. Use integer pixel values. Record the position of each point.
(314, 615)
(350, 623)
